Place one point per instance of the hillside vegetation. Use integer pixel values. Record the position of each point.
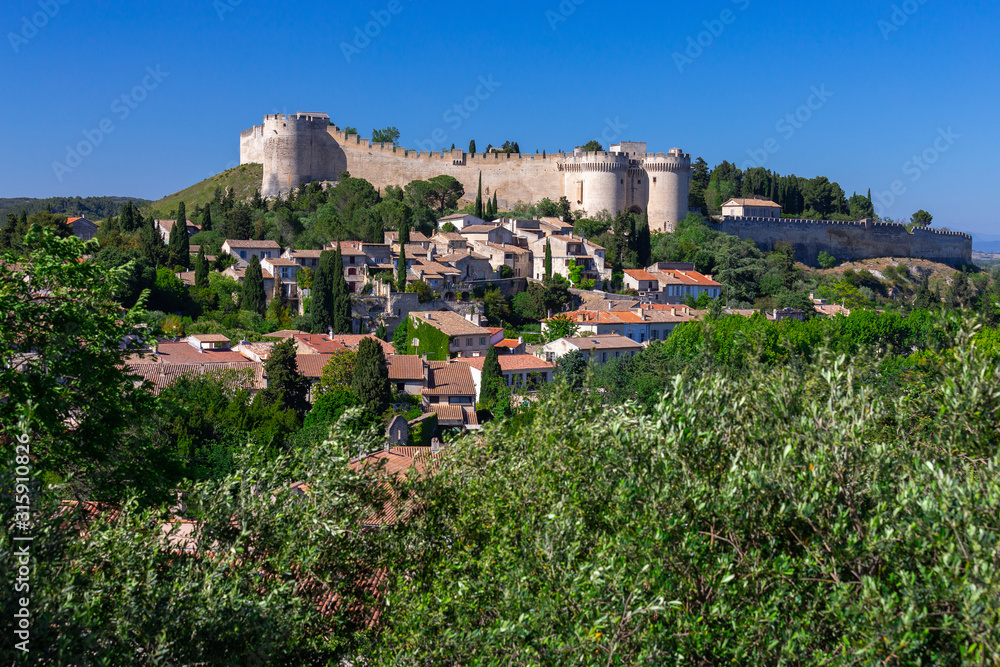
(244, 179)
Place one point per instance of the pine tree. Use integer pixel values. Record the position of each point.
(340, 296)
(321, 315)
(479, 196)
(371, 377)
(401, 270)
(252, 297)
(7, 232)
(201, 270)
(206, 218)
(547, 262)
(284, 383)
(492, 381)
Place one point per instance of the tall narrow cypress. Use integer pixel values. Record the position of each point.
(479, 197)
(201, 270)
(401, 270)
(492, 379)
(183, 240)
(322, 318)
(547, 262)
(340, 295)
(252, 297)
(371, 377)
(206, 218)
(496, 209)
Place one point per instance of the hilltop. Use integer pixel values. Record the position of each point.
(886, 269)
(244, 179)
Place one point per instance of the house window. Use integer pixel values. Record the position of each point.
(482, 340)
(243, 254)
(468, 342)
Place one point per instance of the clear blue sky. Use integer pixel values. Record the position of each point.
(560, 72)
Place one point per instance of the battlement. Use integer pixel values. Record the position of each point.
(876, 226)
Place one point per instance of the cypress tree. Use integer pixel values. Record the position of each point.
(206, 218)
(183, 240)
(322, 318)
(643, 243)
(400, 338)
(401, 270)
(252, 297)
(380, 332)
(340, 296)
(492, 380)
(479, 196)
(173, 246)
(404, 232)
(201, 270)
(371, 377)
(7, 232)
(284, 382)
(548, 260)
(496, 210)
(472, 147)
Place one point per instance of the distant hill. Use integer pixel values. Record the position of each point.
(244, 179)
(92, 208)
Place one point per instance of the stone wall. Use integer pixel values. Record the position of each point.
(851, 240)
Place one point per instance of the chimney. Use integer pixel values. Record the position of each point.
(673, 312)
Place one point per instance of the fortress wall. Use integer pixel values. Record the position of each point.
(851, 240)
(252, 145)
(514, 178)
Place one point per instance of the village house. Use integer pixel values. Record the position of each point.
(643, 324)
(465, 338)
(450, 392)
(488, 233)
(286, 274)
(307, 258)
(406, 373)
(460, 220)
(470, 265)
(446, 243)
(514, 257)
(416, 238)
(164, 227)
(565, 249)
(239, 274)
(83, 229)
(244, 250)
(751, 208)
(519, 371)
(597, 350)
(678, 285)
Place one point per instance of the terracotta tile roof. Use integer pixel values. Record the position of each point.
(415, 237)
(640, 274)
(450, 379)
(240, 274)
(311, 365)
(319, 343)
(451, 415)
(494, 330)
(256, 245)
(281, 261)
(210, 338)
(510, 363)
(353, 342)
(70, 221)
(448, 236)
(304, 254)
(684, 278)
(184, 353)
(459, 256)
(752, 202)
(168, 225)
(508, 343)
(508, 247)
(286, 334)
(396, 460)
(250, 375)
(405, 368)
(479, 229)
(608, 342)
(451, 324)
(351, 248)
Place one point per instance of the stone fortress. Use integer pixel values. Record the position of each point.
(305, 147)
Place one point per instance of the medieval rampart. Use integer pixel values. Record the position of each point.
(851, 240)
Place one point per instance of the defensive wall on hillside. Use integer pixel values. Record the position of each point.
(852, 240)
(305, 147)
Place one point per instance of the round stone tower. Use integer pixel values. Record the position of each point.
(297, 150)
(669, 183)
(596, 181)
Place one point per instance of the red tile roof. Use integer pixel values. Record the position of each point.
(246, 375)
(450, 379)
(405, 368)
(509, 343)
(512, 363)
(354, 341)
(184, 353)
(311, 365)
(640, 274)
(319, 343)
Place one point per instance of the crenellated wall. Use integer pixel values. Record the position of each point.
(852, 240)
(296, 149)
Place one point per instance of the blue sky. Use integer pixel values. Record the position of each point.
(157, 92)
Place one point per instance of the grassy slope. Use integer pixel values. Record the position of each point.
(245, 180)
(939, 274)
